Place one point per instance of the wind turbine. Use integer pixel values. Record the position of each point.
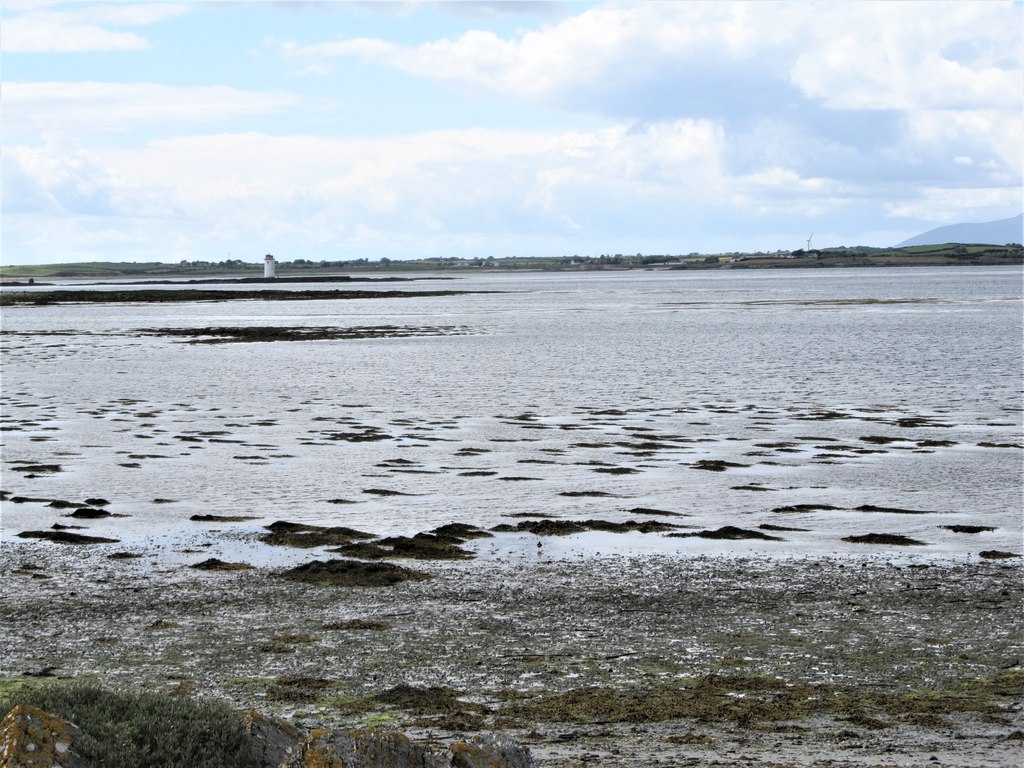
(809, 241)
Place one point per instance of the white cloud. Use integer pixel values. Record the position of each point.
(600, 43)
(946, 205)
(442, 187)
(470, 192)
(989, 136)
(72, 28)
(895, 56)
(311, 58)
(864, 55)
(83, 107)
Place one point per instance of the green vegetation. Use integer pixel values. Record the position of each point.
(752, 699)
(123, 729)
(846, 256)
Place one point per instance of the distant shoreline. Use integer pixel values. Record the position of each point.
(949, 254)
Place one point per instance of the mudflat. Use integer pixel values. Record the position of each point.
(618, 661)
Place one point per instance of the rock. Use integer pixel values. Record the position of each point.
(728, 533)
(569, 527)
(273, 742)
(491, 751)
(771, 527)
(352, 573)
(455, 531)
(545, 527)
(356, 624)
(34, 468)
(422, 546)
(64, 537)
(97, 502)
(363, 748)
(213, 564)
(649, 511)
(287, 534)
(893, 510)
(796, 508)
(89, 513)
(885, 538)
(31, 737)
(432, 699)
(378, 748)
(221, 518)
(995, 554)
(715, 465)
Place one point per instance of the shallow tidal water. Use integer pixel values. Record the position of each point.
(575, 396)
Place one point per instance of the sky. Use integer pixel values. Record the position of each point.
(150, 131)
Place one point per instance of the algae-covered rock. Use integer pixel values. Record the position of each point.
(213, 564)
(728, 533)
(31, 737)
(90, 513)
(491, 751)
(352, 573)
(379, 748)
(363, 748)
(568, 527)
(894, 539)
(432, 699)
(273, 742)
(456, 531)
(65, 537)
(422, 546)
(287, 534)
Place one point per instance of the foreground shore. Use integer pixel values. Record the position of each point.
(629, 661)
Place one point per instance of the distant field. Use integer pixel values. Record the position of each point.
(921, 255)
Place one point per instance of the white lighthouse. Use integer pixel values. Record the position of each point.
(269, 266)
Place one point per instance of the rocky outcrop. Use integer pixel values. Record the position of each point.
(377, 748)
(352, 573)
(66, 537)
(213, 564)
(363, 748)
(273, 742)
(32, 737)
(489, 751)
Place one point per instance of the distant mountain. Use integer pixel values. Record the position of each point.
(989, 233)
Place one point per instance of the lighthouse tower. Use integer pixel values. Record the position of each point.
(269, 266)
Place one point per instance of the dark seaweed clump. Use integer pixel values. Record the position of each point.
(213, 564)
(894, 539)
(224, 335)
(568, 527)
(287, 534)
(728, 533)
(422, 546)
(66, 537)
(352, 573)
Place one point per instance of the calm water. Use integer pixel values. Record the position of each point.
(556, 385)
